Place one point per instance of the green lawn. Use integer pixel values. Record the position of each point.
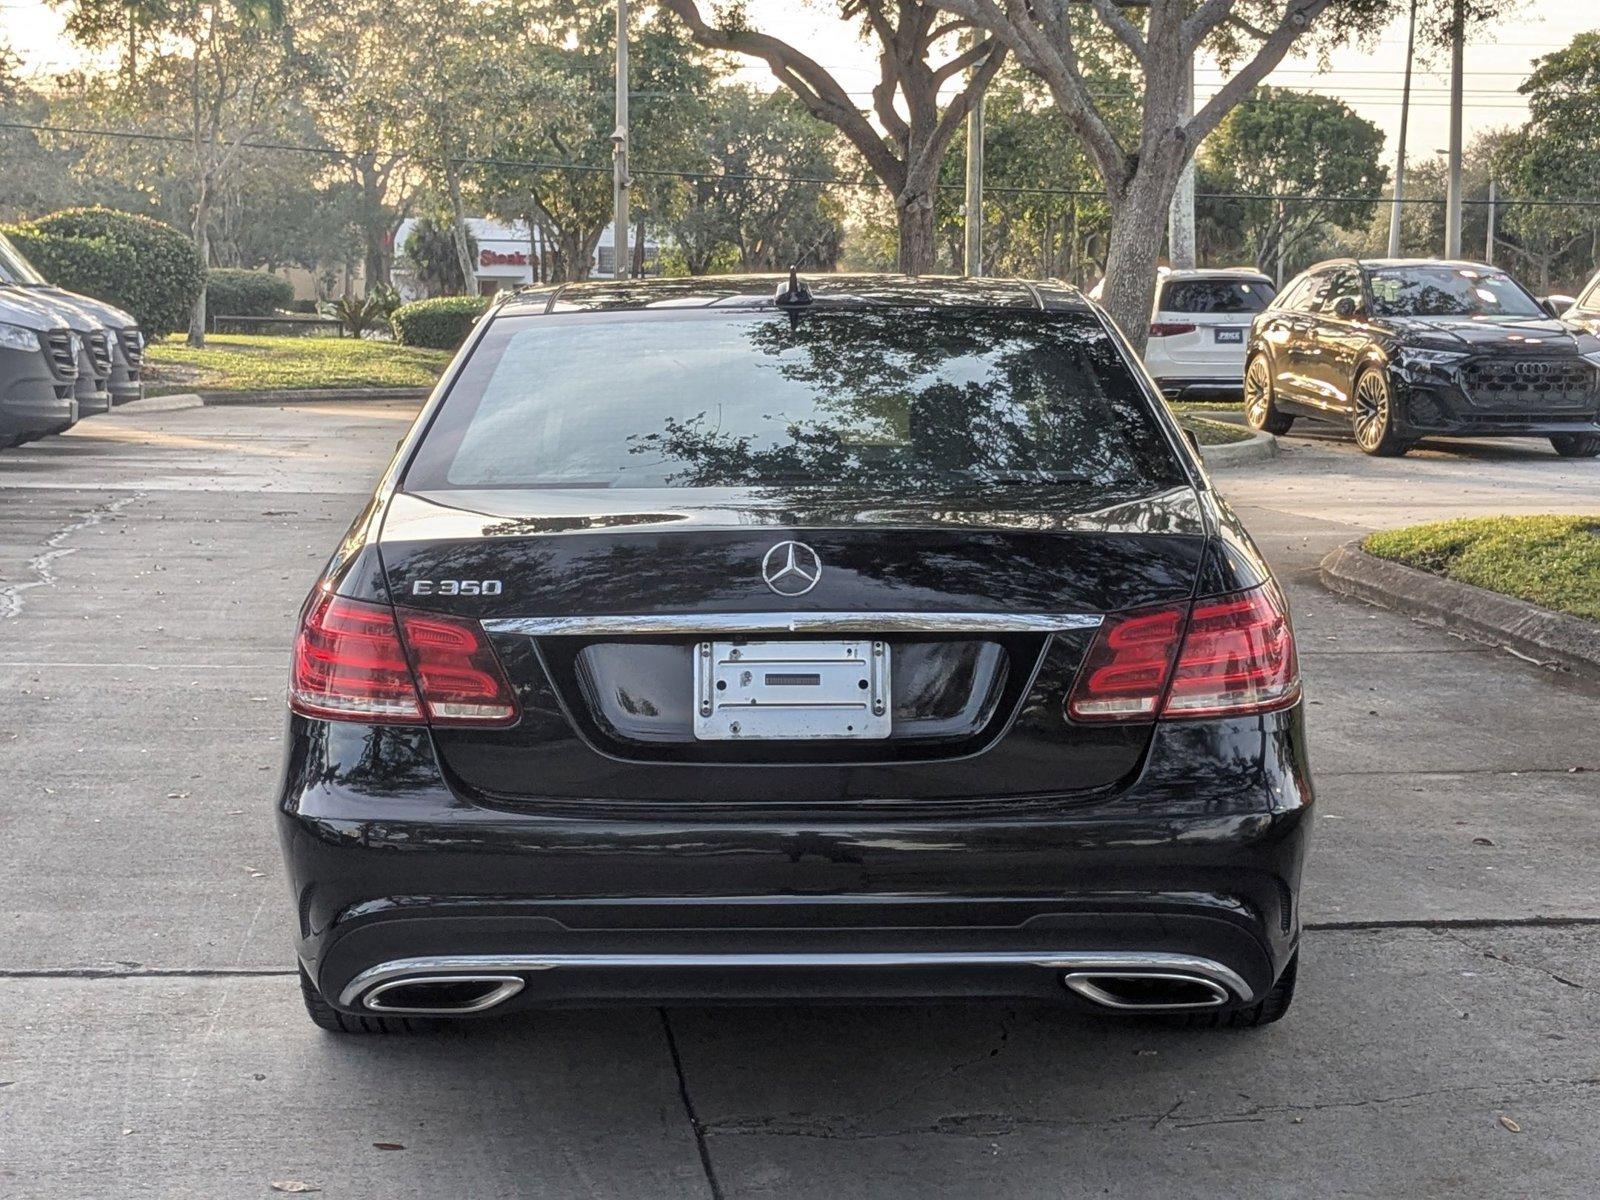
(1549, 561)
(1213, 433)
(251, 362)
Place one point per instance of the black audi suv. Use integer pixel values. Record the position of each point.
(1407, 349)
(750, 640)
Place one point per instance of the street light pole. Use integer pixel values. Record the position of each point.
(1180, 216)
(1488, 241)
(973, 218)
(1400, 156)
(619, 152)
(1452, 203)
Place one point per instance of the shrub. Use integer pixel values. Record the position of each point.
(440, 324)
(95, 267)
(165, 278)
(231, 293)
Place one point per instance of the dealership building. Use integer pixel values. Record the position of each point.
(508, 255)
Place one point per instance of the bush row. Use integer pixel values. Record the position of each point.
(234, 293)
(438, 324)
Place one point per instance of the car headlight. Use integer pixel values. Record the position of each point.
(15, 337)
(1431, 359)
(76, 342)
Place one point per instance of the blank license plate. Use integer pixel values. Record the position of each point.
(1227, 337)
(791, 691)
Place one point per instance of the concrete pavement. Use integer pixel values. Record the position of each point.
(151, 1036)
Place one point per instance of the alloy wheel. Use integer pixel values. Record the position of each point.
(1371, 416)
(1257, 393)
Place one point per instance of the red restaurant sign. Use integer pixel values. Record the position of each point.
(494, 258)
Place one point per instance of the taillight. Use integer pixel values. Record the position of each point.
(460, 678)
(1226, 657)
(351, 662)
(1162, 329)
(1127, 668)
(1238, 657)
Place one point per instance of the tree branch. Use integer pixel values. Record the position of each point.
(1124, 29)
(1296, 18)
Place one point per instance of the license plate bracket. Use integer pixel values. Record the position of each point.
(791, 690)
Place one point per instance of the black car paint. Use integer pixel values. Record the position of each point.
(1316, 357)
(1184, 836)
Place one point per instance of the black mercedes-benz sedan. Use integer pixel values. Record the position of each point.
(750, 640)
(1407, 349)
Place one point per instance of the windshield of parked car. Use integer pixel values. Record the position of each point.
(1448, 292)
(900, 399)
(15, 268)
(1215, 295)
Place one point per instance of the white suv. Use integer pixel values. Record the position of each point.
(1200, 328)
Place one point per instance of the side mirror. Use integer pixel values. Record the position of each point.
(1551, 307)
(1194, 442)
(1345, 307)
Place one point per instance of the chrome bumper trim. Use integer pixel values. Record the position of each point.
(794, 622)
(1102, 961)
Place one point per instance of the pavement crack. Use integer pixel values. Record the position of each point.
(42, 564)
(698, 1126)
(1490, 953)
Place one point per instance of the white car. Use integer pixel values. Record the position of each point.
(1200, 328)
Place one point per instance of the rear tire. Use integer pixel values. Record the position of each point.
(1372, 415)
(325, 1016)
(1577, 445)
(1260, 401)
(1271, 1007)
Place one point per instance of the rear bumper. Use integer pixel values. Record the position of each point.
(1177, 386)
(651, 909)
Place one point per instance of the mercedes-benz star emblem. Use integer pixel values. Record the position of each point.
(791, 568)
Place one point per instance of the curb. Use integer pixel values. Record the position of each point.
(1549, 638)
(174, 402)
(1259, 448)
(313, 395)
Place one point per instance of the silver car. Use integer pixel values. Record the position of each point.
(38, 370)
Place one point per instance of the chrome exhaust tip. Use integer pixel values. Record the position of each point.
(1147, 991)
(441, 995)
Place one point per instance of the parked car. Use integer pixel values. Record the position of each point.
(1405, 348)
(1199, 328)
(877, 638)
(38, 371)
(1585, 310)
(116, 354)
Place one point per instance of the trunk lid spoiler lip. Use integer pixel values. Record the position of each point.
(620, 625)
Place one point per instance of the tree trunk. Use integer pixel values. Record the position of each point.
(202, 247)
(374, 229)
(469, 276)
(918, 249)
(1138, 222)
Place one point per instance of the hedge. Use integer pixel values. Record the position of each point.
(165, 277)
(439, 324)
(234, 293)
(89, 266)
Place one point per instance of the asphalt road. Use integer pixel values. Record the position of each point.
(152, 1042)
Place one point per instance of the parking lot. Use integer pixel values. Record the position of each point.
(152, 1040)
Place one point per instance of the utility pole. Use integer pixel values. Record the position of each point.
(1400, 157)
(973, 218)
(619, 153)
(1180, 217)
(1488, 241)
(1452, 202)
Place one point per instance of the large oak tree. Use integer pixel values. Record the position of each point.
(908, 132)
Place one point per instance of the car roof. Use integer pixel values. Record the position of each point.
(829, 290)
(1214, 273)
(1378, 263)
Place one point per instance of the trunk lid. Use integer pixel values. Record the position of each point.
(606, 716)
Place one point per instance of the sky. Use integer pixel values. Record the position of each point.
(1367, 80)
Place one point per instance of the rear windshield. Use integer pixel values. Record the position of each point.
(1448, 292)
(1216, 295)
(909, 400)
